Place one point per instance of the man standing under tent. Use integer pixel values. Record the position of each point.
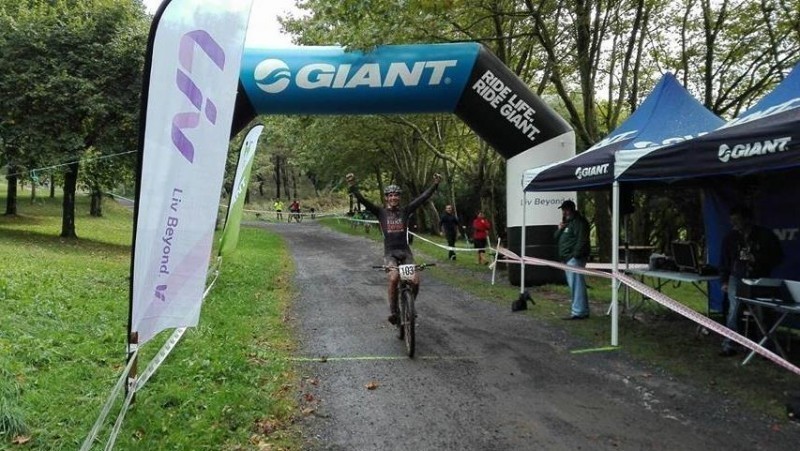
(748, 251)
(573, 249)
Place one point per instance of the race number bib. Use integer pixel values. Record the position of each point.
(406, 272)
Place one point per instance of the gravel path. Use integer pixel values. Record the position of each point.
(483, 378)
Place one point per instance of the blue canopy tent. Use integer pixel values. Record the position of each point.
(758, 151)
(668, 115)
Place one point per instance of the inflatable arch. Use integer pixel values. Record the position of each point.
(190, 108)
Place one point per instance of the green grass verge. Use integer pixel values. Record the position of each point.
(662, 340)
(63, 323)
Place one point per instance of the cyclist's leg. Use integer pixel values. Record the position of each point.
(393, 279)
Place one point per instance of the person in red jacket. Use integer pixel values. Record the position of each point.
(480, 233)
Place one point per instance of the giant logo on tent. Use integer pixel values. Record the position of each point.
(753, 149)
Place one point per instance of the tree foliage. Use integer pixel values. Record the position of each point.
(593, 61)
(70, 73)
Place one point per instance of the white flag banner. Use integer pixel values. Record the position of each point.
(196, 58)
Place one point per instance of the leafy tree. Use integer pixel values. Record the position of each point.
(593, 60)
(86, 58)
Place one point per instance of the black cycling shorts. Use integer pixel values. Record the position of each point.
(398, 257)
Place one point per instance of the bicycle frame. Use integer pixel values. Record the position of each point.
(405, 299)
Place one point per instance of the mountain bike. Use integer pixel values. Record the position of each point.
(405, 299)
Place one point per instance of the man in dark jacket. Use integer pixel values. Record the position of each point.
(749, 251)
(448, 223)
(573, 249)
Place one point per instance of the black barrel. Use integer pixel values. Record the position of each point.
(539, 243)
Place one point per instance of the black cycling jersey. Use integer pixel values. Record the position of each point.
(394, 222)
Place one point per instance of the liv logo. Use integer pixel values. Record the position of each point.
(191, 119)
(160, 293)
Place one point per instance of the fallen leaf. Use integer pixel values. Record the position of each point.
(372, 385)
(308, 397)
(21, 440)
(267, 426)
(308, 411)
(313, 381)
(775, 428)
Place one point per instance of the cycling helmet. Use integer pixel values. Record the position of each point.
(392, 189)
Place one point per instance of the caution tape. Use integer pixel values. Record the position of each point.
(704, 321)
(453, 248)
(660, 298)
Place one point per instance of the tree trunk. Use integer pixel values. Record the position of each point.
(68, 205)
(602, 224)
(379, 180)
(52, 186)
(96, 205)
(285, 177)
(277, 170)
(33, 192)
(11, 198)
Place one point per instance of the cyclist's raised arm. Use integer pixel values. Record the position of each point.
(372, 208)
(414, 204)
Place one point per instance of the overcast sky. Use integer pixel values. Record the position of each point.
(264, 29)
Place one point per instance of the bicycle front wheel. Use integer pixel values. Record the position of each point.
(408, 320)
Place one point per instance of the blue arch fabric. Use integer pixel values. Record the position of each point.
(461, 78)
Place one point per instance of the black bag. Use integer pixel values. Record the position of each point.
(522, 302)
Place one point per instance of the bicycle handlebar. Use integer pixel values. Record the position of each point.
(420, 267)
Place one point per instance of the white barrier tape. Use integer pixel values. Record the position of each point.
(665, 301)
(274, 212)
(367, 221)
(117, 196)
(87, 444)
(449, 248)
(514, 258)
(708, 323)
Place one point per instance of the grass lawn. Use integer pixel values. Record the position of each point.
(228, 383)
(660, 339)
(63, 323)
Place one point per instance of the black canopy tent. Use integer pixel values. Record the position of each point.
(752, 158)
(669, 114)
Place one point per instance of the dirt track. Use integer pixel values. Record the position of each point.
(483, 378)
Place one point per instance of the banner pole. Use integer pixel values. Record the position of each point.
(133, 346)
(496, 255)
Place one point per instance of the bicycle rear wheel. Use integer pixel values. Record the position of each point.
(408, 319)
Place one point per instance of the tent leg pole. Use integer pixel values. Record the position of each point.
(615, 264)
(522, 244)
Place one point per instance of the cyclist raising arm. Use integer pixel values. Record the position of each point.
(393, 220)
